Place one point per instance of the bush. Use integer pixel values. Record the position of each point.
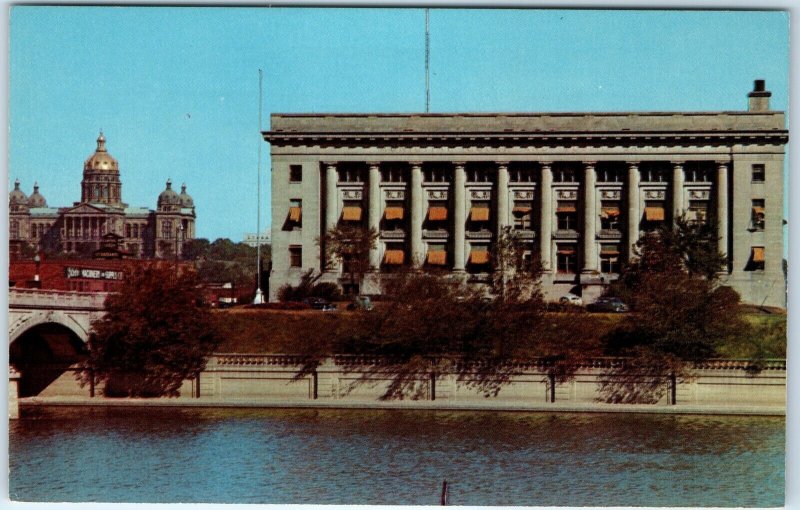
(309, 287)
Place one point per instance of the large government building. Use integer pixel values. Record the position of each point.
(579, 188)
(101, 216)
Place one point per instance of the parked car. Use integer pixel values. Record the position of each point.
(571, 299)
(320, 304)
(608, 305)
(360, 303)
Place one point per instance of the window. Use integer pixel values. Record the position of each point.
(393, 174)
(435, 174)
(295, 173)
(479, 255)
(136, 230)
(479, 212)
(654, 175)
(352, 211)
(609, 175)
(478, 175)
(127, 230)
(698, 211)
(759, 173)
(757, 219)
(609, 215)
(295, 256)
(567, 214)
(756, 262)
(14, 234)
(520, 175)
(566, 258)
(654, 213)
(166, 229)
(393, 215)
(698, 174)
(523, 215)
(351, 175)
(295, 219)
(394, 255)
(609, 258)
(565, 175)
(437, 211)
(437, 255)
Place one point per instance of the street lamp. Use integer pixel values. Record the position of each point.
(38, 260)
(178, 236)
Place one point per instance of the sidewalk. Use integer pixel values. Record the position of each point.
(437, 405)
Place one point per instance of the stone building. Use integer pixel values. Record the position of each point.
(142, 233)
(578, 187)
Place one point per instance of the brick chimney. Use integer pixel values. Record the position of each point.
(759, 98)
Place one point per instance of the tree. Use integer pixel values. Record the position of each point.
(350, 245)
(681, 314)
(155, 334)
(225, 261)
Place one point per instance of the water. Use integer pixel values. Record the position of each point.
(395, 457)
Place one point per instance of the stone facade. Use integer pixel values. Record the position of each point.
(578, 187)
(143, 233)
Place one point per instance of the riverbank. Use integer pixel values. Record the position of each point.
(422, 405)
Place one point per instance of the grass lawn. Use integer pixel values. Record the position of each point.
(252, 331)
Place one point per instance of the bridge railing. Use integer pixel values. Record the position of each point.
(42, 298)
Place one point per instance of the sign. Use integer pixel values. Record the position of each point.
(93, 274)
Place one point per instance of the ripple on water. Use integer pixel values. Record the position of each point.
(398, 457)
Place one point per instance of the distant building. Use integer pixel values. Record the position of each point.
(141, 232)
(254, 240)
(578, 188)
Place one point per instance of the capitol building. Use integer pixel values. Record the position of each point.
(578, 188)
(102, 217)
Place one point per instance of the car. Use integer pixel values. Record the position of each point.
(570, 299)
(360, 303)
(320, 304)
(608, 304)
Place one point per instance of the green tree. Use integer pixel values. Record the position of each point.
(350, 245)
(154, 335)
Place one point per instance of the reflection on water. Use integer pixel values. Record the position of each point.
(395, 457)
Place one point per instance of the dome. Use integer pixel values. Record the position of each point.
(36, 199)
(186, 199)
(168, 196)
(101, 160)
(17, 196)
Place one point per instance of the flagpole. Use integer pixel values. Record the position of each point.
(259, 297)
(427, 62)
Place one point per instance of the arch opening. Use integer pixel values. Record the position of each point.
(46, 354)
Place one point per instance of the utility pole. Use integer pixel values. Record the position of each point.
(259, 297)
(427, 62)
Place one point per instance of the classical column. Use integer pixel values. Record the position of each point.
(417, 215)
(502, 195)
(546, 216)
(677, 189)
(459, 216)
(374, 216)
(331, 206)
(633, 207)
(589, 218)
(722, 207)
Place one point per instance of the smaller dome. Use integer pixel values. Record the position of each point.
(17, 196)
(36, 199)
(186, 199)
(168, 196)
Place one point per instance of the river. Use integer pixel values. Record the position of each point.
(395, 457)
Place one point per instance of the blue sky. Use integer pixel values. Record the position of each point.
(176, 89)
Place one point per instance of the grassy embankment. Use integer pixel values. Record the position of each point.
(291, 332)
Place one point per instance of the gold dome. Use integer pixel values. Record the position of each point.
(101, 160)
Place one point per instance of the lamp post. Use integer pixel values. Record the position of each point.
(259, 296)
(178, 236)
(38, 260)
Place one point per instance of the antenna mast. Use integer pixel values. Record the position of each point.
(427, 62)
(259, 297)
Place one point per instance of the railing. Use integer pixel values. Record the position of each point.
(39, 298)
(284, 360)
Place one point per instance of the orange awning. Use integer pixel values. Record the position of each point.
(393, 257)
(758, 211)
(519, 209)
(394, 213)
(437, 258)
(479, 214)
(351, 214)
(609, 212)
(295, 213)
(437, 213)
(479, 257)
(758, 254)
(566, 251)
(615, 252)
(654, 213)
(566, 208)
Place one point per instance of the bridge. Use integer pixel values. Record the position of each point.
(47, 333)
